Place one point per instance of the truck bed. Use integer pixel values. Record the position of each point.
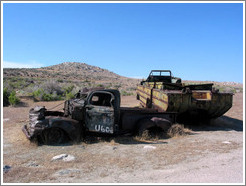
(130, 117)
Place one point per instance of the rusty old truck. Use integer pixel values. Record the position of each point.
(192, 102)
(94, 112)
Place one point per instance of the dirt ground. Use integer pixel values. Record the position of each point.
(211, 154)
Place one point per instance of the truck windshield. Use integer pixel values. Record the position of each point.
(101, 99)
(160, 73)
(160, 76)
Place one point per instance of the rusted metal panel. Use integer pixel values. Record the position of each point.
(144, 94)
(100, 119)
(40, 120)
(159, 99)
(202, 95)
(130, 118)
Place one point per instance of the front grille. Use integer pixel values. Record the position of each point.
(36, 113)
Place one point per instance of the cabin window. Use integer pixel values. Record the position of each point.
(101, 99)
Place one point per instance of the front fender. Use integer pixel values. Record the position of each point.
(71, 127)
(162, 123)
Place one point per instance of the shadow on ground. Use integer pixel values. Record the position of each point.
(223, 123)
(126, 140)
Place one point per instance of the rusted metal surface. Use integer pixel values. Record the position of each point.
(196, 100)
(100, 119)
(36, 116)
(40, 120)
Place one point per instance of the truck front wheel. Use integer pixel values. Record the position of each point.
(53, 136)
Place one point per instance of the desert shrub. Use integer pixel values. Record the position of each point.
(5, 97)
(47, 97)
(18, 83)
(69, 95)
(51, 97)
(13, 99)
(68, 92)
(32, 88)
(41, 95)
(48, 91)
(52, 86)
(68, 89)
(13, 83)
(37, 94)
(100, 86)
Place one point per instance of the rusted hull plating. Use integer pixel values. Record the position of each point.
(196, 102)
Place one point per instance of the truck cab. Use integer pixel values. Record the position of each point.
(96, 111)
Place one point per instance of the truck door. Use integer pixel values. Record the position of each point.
(100, 112)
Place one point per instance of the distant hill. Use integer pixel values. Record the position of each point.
(71, 70)
(80, 74)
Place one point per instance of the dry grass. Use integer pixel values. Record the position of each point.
(148, 135)
(177, 130)
(156, 134)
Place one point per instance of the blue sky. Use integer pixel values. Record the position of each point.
(196, 41)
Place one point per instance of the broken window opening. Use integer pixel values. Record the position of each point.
(101, 99)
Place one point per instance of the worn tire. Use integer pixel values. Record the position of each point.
(53, 136)
(143, 125)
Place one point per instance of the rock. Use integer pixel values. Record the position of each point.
(69, 158)
(59, 157)
(150, 147)
(64, 157)
(226, 142)
(32, 164)
(6, 168)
